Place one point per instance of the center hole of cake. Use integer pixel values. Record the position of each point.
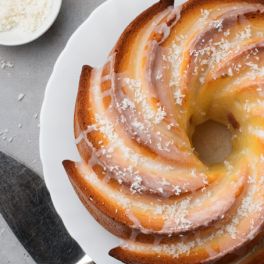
(212, 142)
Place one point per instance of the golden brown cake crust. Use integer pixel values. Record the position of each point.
(88, 201)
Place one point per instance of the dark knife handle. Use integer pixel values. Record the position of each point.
(26, 205)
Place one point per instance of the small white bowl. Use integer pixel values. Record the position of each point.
(16, 37)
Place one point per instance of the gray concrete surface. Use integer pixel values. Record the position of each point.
(19, 120)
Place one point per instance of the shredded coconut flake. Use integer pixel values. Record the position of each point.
(106, 127)
(160, 115)
(179, 97)
(217, 24)
(27, 15)
(126, 104)
(204, 14)
(4, 64)
(20, 97)
(245, 34)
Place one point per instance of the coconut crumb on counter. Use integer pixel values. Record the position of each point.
(4, 64)
(36, 115)
(5, 136)
(20, 97)
(11, 139)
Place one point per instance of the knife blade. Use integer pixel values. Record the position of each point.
(26, 206)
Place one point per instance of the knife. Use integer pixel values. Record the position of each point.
(26, 206)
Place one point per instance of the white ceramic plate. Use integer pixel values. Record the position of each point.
(17, 37)
(90, 44)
